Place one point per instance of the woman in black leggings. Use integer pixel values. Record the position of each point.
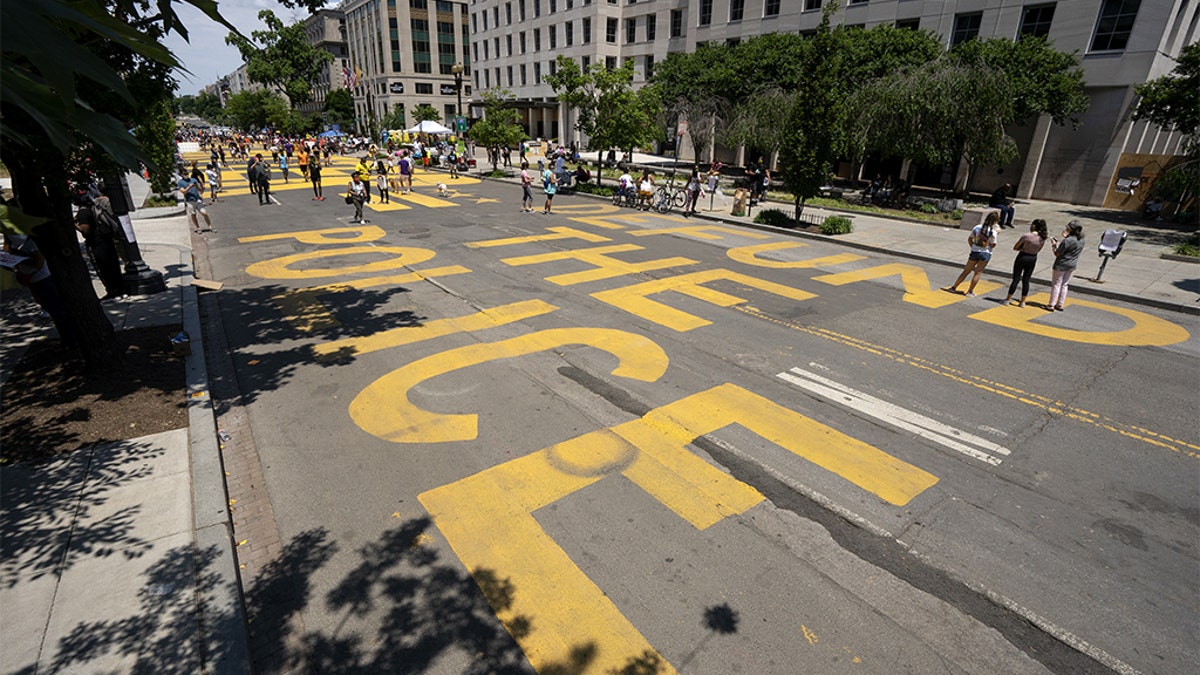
(1027, 248)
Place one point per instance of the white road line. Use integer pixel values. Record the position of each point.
(925, 427)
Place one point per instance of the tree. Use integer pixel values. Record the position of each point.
(107, 66)
(1173, 103)
(396, 118)
(608, 111)
(255, 109)
(501, 123)
(426, 113)
(814, 131)
(208, 106)
(281, 57)
(339, 108)
(1041, 78)
(156, 133)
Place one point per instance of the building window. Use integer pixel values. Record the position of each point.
(496, 23)
(811, 5)
(630, 31)
(771, 8)
(1036, 21)
(1114, 25)
(424, 88)
(474, 23)
(523, 80)
(508, 17)
(537, 72)
(648, 68)
(586, 37)
(610, 33)
(522, 39)
(508, 71)
(422, 61)
(537, 39)
(485, 26)
(910, 24)
(554, 67)
(569, 32)
(610, 62)
(553, 36)
(521, 12)
(676, 23)
(476, 48)
(586, 62)
(858, 2)
(537, 8)
(705, 12)
(487, 78)
(966, 27)
(736, 9)
(508, 44)
(445, 6)
(651, 26)
(446, 48)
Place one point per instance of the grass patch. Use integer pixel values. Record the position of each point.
(1190, 246)
(155, 201)
(843, 205)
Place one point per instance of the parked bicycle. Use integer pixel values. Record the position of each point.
(625, 197)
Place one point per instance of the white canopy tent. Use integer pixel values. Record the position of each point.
(429, 127)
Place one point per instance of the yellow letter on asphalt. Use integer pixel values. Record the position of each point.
(362, 235)
(383, 408)
(635, 299)
(1146, 331)
(605, 267)
(488, 518)
(280, 268)
(749, 256)
(916, 284)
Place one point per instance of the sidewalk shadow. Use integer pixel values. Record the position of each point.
(399, 609)
(44, 512)
(271, 329)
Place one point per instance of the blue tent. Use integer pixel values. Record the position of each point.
(329, 134)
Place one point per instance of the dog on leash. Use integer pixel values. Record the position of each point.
(443, 191)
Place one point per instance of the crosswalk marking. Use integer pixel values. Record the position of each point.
(956, 439)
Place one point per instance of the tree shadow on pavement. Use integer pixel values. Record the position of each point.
(269, 331)
(399, 609)
(48, 506)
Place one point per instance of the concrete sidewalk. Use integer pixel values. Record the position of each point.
(119, 558)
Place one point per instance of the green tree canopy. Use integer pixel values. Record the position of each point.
(1041, 78)
(501, 123)
(208, 106)
(281, 57)
(426, 113)
(609, 111)
(1173, 101)
(339, 108)
(255, 109)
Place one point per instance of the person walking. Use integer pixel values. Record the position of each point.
(381, 179)
(314, 176)
(406, 171)
(357, 195)
(1066, 259)
(364, 171)
(214, 182)
(693, 191)
(283, 167)
(550, 185)
(1027, 248)
(193, 199)
(526, 189)
(982, 240)
(264, 183)
(252, 174)
(302, 160)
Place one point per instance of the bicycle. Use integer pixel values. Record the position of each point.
(662, 200)
(625, 197)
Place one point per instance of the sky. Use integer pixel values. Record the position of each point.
(206, 56)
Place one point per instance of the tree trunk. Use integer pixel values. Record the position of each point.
(799, 203)
(41, 188)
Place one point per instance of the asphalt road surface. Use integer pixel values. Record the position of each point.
(610, 441)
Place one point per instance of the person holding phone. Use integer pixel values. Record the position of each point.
(982, 240)
(1066, 259)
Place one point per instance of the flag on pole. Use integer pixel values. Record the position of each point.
(357, 75)
(347, 77)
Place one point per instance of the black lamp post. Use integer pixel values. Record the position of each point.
(457, 69)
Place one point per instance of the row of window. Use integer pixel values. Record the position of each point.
(485, 77)
(1113, 27)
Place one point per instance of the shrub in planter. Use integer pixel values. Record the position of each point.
(773, 217)
(837, 225)
(957, 214)
(592, 188)
(928, 208)
(1190, 246)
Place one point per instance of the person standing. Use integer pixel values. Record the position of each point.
(382, 182)
(526, 189)
(1066, 259)
(193, 199)
(1001, 201)
(214, 182)
(982, 240)
(264, 183)
(314, 175)
(550, 185)
(364, 171)
(406, 171)
(357, 194)
(1027, 248)
(646, 189)
(98, 231)
(302, 159)
(693, 191)
(252, 167)
(283, 167)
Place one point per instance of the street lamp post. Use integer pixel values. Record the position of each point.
(457, 69)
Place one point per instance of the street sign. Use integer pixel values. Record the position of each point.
(460, 123)
(682, 128)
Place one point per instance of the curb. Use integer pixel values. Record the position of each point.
(222, 613)
(1075, 288)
